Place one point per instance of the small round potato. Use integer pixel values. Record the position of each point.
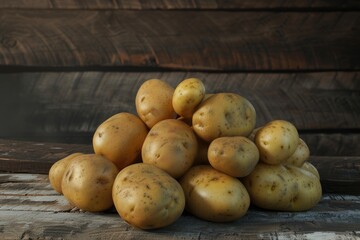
(214, 196)
(283, 187)
(187, 95)
(147, 197)
(235, 156)
(88, 181)
(57, 170)
(154, 102)
(224, 114)
(276, 141)
(170, 145)
(301, 154)
(120, 139)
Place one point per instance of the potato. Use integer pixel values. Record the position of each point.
(301, 154)
(222, 115)
(120, 139)
(187, 95)
(284, 188)
(153, 102)
(276, 141)
(214, 196)
(147, 197)
(170, 145)
(57, 170)
(88, 181)
(235, 156)
(311, 168)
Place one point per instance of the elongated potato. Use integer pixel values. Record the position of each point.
(187, 96)
(153, 102)
(283, 187)
(120, 139)
(224, 115)
(147, 197)
(214, 196)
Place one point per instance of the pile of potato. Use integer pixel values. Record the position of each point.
(186, 149)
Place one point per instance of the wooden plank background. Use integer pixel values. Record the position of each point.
(181, 40)
(65, 66)
(186, 4)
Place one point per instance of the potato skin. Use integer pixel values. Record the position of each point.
(57, 170)
(276, 141)
(120, 138)
(214, 196)
(147, 197)
(88, 181)
(235, 156)
(187, 95)
(170, 145)
(153, 102)
(311, 168)
(283, 188)
(301, 154)
(224, 114)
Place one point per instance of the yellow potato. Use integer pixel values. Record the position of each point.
(57, 170)
(187, 96)
(224, 114)
(284, 188)
(301, 154)
(120, 139)
(276, 141)
(87, 182)
(154, 102)
(311, 168)
(214, 196)
(147, 197)
(170, 145)
(235, 156)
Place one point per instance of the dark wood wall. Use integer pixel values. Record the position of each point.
(65, 66)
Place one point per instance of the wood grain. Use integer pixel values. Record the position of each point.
(46, 214)
(339, 174)
(62, 106)
(176, 4)
(184, 40)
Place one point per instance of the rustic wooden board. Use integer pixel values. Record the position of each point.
(338, 174)
(176, 4)
(46, 214)
(186, 40)
(73, 104)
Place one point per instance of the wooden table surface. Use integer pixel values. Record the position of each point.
(30, 208)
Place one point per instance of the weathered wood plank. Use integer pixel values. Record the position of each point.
(35, 157)
(70, 104)
(334, 218)
(338, 174)
(176, 4)
(186, 40)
